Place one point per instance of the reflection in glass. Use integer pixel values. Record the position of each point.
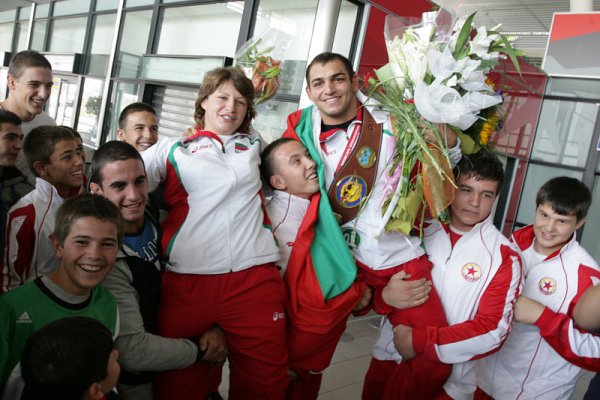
(188, 69)
(175, 109)
(68, 35)
(101, 44)
(89, 110)
(564, 132)
(295, 19)
(271, 118)
(123, 95)
(183, 27)
(134, 39)
(537, 175)
(38, 34)
(6, 35)
(62, 101)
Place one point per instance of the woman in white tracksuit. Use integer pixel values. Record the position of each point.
(219, 247)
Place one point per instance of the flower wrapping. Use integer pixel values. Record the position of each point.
(435, 81)
(262, 59)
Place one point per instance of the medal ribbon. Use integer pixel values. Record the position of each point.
(351, 141)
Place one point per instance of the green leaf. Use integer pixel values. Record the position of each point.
(463, 36)
(512, 54)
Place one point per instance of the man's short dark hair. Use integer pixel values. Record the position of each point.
(8, 117)
(566, 196)
(267, 169)
(110, 152)
(64, 358)
(328, 57)
(39, 144)
(27, 59)
(483, 165)
(86, 205)
(133, 108)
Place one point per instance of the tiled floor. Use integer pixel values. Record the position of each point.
(344, 377)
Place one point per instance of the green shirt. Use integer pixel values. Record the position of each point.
(26, 309)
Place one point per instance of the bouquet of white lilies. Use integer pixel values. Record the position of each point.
(436, 79)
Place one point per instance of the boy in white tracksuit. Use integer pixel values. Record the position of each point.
(542, 356)
(477, 275)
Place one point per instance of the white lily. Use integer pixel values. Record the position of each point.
(480, 44)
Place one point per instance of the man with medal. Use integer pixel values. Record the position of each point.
(352, 145)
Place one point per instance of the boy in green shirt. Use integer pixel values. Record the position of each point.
(87, 236)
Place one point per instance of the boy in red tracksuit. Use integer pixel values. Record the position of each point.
(287, 168)
(544, 353)
(477, 275)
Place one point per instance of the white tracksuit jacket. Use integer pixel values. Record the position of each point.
(477, 280)
(216, 222)
(542, 361)
(390, 249)
(29, 252)
(286, 213)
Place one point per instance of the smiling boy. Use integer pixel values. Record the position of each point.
(477, 275)
(138, 126)
(53, 157)
(543, 354)
(86, 239)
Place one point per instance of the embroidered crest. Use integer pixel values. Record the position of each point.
(547, 286)
(350, 191)
(352, 238)
(366, 157)
(471, 272)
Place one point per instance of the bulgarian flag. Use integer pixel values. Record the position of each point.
(321, 271)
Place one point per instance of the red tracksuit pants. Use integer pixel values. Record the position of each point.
(309, 355)
(419, 377)
(249, 306)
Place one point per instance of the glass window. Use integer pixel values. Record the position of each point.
(135, 3)
(23, 27)
(106, 5)
(101, 44)
(271, 118)
(123, 95)
(344, 30)
(38, 35)
(591, 229)
(6, 16)
(6, 35)
(68, 35)
(576, 88)
(134, 39)
(291, 17)
(70, 7)
(219, 23)
(189, 70)
(24, 13)
(564, 132)
(62, 100)
(89, 111)
(42, 10)
(536, 176)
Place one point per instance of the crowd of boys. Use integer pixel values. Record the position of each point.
(88, 265)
